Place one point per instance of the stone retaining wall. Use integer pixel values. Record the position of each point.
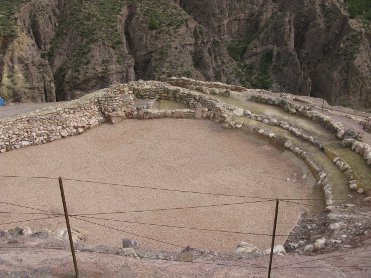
(327, 122)
(80, 115)
(112, 104)
(60, 121)
(52, 124)
(145, 114)
(315, 168)
(204, 106)
(194, 84)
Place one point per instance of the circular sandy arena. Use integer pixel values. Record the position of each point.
(190, 155)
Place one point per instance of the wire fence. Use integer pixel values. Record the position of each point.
(36, 214)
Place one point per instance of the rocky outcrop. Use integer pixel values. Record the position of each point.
(303, 47)
(26, 75)
(62, 49)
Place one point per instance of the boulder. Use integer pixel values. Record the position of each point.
(335, 226)
(247, 248)
(3, 233)
(336, 159)
(77, 235)
(350, 134)
(26, 143)
(238, 112)
(16, 231)
(130, 243)
(308, 248)
(288, 144)
(64, 133)
(320, 243)
(341, 133)
(44, 233)
(277, 250)
(26, 231)
(247, 113)
(226, 93)
(353, 186)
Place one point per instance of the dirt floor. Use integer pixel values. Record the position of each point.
(30, 261)
(191, 155)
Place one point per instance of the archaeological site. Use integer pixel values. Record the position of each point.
(181, 138)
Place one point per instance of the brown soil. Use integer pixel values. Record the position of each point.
(27, 260)
(179, 154)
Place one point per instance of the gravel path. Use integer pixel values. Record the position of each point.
(168, 153)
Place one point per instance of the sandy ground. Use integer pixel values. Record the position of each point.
(180, 154)
(54, 263)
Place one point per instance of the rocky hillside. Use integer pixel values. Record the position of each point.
(60, 49)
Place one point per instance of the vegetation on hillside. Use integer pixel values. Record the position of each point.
(88, 22)
(249, 74)
(99, 20)
(8, 10)
(91, 20)
(359, 8)
(161, 14)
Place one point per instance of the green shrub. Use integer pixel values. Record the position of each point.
(8, 10)
(236, 49)
(154, 24)
(359, 8)
(256, 76)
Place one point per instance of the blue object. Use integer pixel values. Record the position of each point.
(2, 102)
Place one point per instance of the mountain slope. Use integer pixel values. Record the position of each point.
(61, 49)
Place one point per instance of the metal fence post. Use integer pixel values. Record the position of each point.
(68, 227)
(273, 238)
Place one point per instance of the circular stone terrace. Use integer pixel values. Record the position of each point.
(172, 183)
(189, 155)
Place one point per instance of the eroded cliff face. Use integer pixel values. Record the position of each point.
(25, 74)
(65, 48)
(308, 47)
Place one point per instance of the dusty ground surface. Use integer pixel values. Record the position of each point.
(178, 154)
(12, 110)
(51, 258)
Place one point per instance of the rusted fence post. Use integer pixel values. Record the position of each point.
(273, 238)
(68, 227)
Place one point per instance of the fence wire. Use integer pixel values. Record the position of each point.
(91, 218)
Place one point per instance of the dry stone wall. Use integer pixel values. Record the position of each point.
(357, 146)
(315, 168)
(53, 124)
(117, 102)
(108, 105)
(195, 84)
(63, 120)
(145, 114)
(204, 106)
